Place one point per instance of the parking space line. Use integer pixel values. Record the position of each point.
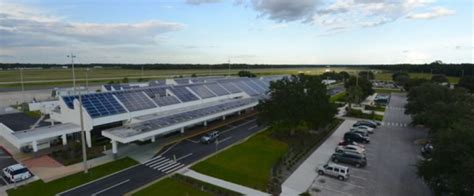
(329, 189)
(111, 187)
(358, 177)
(358, 186)
(3, 179)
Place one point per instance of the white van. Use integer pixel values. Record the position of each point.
(16, 173)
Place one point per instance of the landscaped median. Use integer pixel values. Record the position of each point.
(39, 188)
(248, 164)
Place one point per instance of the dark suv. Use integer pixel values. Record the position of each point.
(350, 158)
(356, 137)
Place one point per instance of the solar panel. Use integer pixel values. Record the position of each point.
(156, 91)
(261, 84)
(254, 86)
(167, 100)
(98, 105)
(116, 87)
(108, 87)
(202, 91)
(246, 88)
(182, 81)
(183, 94)
(217, 89)
(134, 101)
(230, 87)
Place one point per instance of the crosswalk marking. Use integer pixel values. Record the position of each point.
(163, 164)
(395, 124)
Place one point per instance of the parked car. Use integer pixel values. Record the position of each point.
(210, 137)
(363, 132)
(369, 129)
(355, 159)
(356, 137)
(351, 148)
(16, 173)
(368, 123)
(347, 142)
(335, 170)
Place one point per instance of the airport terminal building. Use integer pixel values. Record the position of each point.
(140, 112)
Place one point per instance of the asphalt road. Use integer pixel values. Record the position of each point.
(391, 156)
(169, 160)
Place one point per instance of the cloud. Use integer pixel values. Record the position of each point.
(199, 2)
(22, 26)
(434, 13)
(277, 26)
(284, 10)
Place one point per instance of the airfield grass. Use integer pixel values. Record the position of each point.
(171, 186)
(248, 163)
(40, 188)
(387, 76)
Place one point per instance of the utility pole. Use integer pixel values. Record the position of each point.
(83, 135)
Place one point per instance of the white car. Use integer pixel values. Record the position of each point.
(350, 148)
(16, 173)
(335, 170)
(369, 129)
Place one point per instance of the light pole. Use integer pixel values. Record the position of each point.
(22, 85)
(72, 56)
(228, 72)
(87, 78)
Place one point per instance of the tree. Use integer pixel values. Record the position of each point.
(297, 101)
(440, 79)
(246, 74)
(400, 78)
(330, 75)
(367, 75)
(344, 75)
(353, 95)
(414, 82)
(193, 75)
(364, 84)
(467, 82)
(125, 80)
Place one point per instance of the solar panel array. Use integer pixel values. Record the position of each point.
(182, 81)
(217, 89)
(183, 94)
(134, 101)
(202, 91)
(103, 104)
(186, 116)
(167, 100)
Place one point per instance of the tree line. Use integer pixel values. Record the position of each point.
(449, 115)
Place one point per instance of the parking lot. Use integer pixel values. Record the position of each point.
(391, 156)
(5, 161)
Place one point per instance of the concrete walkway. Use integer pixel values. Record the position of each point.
(303, 177)
(221, 183)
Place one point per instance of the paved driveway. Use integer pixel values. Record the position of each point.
(391, 156)
(5, 161)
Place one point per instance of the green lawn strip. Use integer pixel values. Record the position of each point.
(171, 186)
(375, 108)
(51, 188)
(247, 164)
(386, 91)
(341, 97)
(359, 114)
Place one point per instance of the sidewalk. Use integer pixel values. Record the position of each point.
(224, 184)
(304, 175)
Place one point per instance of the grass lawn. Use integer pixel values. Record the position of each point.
(386, 91)
(248, 164)
(170, 186)
(39, 188)
(341, 97)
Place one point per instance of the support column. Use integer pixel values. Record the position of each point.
(114, 147)
(35, 146)
(152, 138)
(64, 137)
(182, 129)
(223, 117)
(88, 139)
(238, 113)
(205, 123)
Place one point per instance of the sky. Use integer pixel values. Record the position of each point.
(237, 31)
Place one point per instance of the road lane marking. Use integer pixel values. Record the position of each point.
(193, 141)
(185, 156)
(154, 161)
(154, 158)
(175, 169)
(253, 127)
(223, 140)
(111, 187)
(172, 146)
